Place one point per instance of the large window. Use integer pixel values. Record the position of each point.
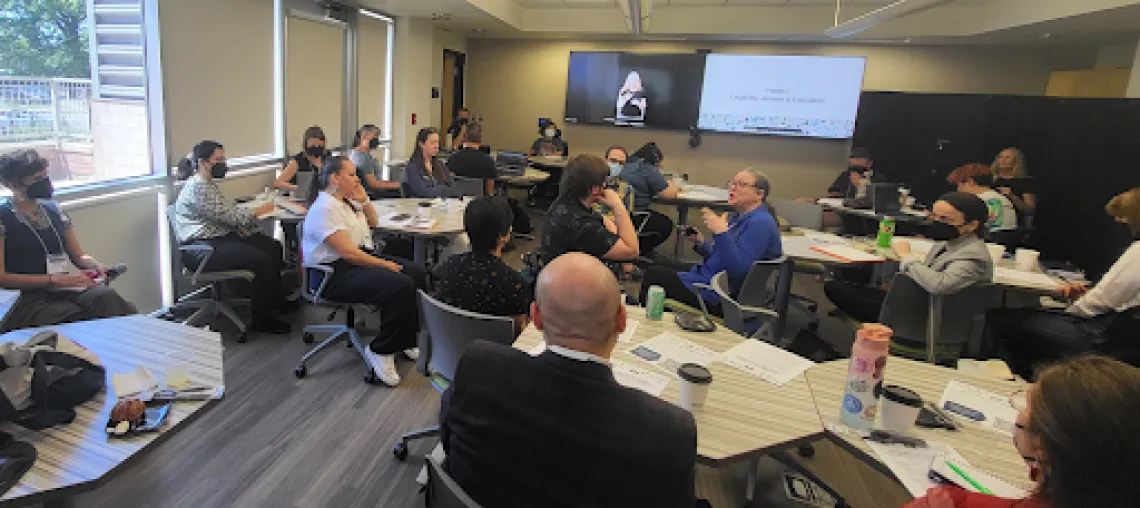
(73, 86)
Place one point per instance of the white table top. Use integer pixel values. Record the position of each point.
(448, 214)
(987, 450)
(529, 176)
(549, 161)
(743, 416)
(837, 205)
(798, 246)
(79, 456)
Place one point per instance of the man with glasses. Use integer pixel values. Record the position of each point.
(751, 235)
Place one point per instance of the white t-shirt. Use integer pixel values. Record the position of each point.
(327, 216)
(1117, 291)
(1002, 214)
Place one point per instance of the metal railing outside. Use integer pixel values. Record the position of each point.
(34, 108)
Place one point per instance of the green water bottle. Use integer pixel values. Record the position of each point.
(886, 232)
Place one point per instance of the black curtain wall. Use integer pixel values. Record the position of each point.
(1080, 153)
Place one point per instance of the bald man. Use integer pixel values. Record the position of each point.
(557, 430)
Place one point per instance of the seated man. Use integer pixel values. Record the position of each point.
(752, 235)
(338, 234)
(479, 280)
(1028, 337)
(976, 179)
(642, 171)
(471, 162)
(852, 182)
(557, 429)
(959, 260)
(572, 225)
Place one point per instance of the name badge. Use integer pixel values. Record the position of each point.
(58, 263)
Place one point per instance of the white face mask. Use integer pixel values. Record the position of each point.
(550, 133)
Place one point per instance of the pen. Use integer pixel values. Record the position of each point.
(973, 482)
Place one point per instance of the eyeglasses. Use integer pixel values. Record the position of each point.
(616, 160)
(738, 185)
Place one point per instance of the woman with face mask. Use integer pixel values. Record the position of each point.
(305, 164)
(1028, 336)
(959, 259)
(203, 216)
(1075, 429)
(37, 247)
(366, 140)
(549, 142)
(642, 171)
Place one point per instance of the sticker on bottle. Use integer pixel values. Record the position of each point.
(852, 404)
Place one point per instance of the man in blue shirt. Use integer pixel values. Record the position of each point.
(752, 235)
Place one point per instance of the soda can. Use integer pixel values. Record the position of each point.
(655, 303)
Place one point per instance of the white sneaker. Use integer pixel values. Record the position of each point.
(384, 366)
(413, 354)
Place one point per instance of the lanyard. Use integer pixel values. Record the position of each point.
(20, 217)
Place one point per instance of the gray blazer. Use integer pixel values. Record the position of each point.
(952, 266)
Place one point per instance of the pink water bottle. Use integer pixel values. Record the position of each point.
(865, 376)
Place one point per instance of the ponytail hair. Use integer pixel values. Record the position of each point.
(189, 164)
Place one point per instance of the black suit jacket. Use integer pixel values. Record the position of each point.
(551, 432)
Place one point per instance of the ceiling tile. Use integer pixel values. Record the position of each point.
(703, 3)
(540, 3)
(754, 3)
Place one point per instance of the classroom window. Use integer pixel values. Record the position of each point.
(73, 86)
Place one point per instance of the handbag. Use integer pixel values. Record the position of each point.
(16, 458)
(44, 379)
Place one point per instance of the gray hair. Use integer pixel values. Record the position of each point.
(762, 181)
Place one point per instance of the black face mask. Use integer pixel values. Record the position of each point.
(941, 231)
(374, 143)
(315, 151)
(40, 190)
(219, 170)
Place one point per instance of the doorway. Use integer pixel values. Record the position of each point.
(451, 88)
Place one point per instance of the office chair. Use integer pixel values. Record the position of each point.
(347, 330)
(753, 300)
(473, 187)
(1119, 339)
(915, 315)
(212, 287)
(806, 216)
(447, 332)
(442, 491)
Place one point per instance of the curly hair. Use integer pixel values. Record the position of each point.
(16, 165)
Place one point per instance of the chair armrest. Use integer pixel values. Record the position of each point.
(207, 250)
(744, 309)
(319, 294)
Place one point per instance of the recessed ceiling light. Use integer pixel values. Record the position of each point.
(478, 30)
(907, 40)
(1046, 35)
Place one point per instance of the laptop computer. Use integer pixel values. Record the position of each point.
(511, 163)
(306, 187)
(885, 197)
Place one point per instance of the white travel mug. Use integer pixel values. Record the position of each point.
(899, 409)
(425, 210)
(1026, 259)
(695, 381)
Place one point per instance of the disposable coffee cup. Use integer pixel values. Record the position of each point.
(996, 251)
(899, 408)
(695, 381)
(425, 209)
(1026, 259)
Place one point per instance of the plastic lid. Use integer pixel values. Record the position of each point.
(425, 203)
(904, 396)
(694, 373)
(874, 335)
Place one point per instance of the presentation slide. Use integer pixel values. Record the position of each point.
(809, 96)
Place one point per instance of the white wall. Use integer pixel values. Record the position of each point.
(413, 81)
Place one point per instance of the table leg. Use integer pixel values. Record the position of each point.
(61, 502)
(682, 221)
(419, 251)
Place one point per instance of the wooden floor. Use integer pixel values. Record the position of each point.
(276, 441)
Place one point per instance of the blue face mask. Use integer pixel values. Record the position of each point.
(615, 169)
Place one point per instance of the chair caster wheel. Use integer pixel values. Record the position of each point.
(243, 337)
(400, 451)
(300, 372)
(308, 338)
(806, 451)
(371, 377)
